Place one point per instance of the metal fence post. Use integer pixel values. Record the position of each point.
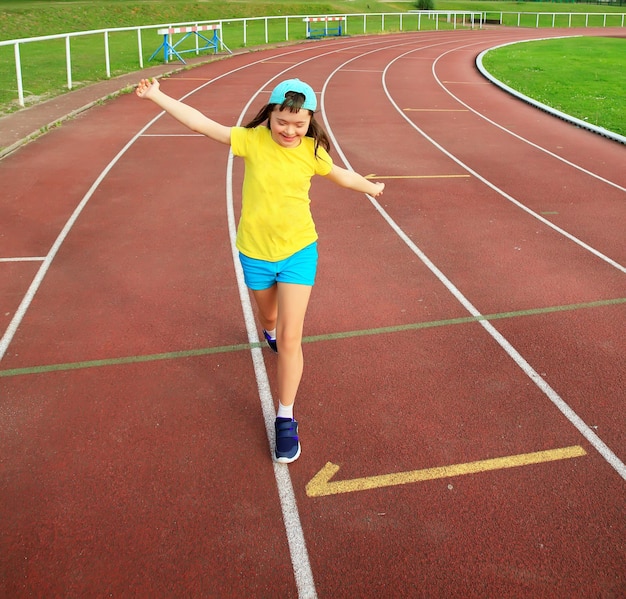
(107, 57)
(18, 74)
(139, 47)
(68, 62)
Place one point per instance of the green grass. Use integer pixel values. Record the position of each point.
(31, 18)
(43, 63)
(44, 17)
(582, 76)
(596, 91)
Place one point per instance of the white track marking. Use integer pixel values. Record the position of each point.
(534, 376)
(488, 183)
(47, 260)
(530, 143)
(295, 536)
(24, 259)
(544, 107)
(303, 573)
(299, 554)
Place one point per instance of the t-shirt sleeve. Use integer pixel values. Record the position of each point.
(239, 140)
(324, 163)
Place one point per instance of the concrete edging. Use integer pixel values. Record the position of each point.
(566, 117)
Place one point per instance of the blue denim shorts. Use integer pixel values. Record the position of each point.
(300, 268)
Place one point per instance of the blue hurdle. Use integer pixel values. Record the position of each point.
(169, 48)
(313, 31)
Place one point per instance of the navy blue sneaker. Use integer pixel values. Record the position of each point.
(287, 444)
(270, 341)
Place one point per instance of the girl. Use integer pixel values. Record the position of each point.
(283, 147)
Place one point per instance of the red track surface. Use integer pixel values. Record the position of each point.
(134, 455)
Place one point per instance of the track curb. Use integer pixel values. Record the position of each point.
(553, 111)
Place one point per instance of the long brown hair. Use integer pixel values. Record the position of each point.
(293, 102)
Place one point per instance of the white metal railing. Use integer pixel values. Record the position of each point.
(398, 20)
(68, 55)
(67, 37)
(540, 18)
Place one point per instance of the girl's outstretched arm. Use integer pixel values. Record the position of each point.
(352, 180)
(188, 116)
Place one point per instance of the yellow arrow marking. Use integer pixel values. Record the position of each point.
(415, 176)
(321, 485)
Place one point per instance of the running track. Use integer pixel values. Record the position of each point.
(461, 412)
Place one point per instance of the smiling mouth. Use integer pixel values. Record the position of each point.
(286, 140)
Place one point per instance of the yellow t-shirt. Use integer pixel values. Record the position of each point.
(276, 219)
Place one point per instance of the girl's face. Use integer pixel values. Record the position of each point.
(288, 128)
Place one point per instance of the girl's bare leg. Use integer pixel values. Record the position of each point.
(283, 307)
(293, 301)
(267, 304)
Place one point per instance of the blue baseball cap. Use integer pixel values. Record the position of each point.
(294, 85)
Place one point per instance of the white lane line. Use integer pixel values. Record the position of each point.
(301, 564)
(501, 192)
(47, 261)
(24, 259)
(299, 555)
(554, 397)
(540, 105)
(527, 141)
(291, 518)
(9, 333)
(295, 535)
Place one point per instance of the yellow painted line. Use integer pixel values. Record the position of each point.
(435, 109)
(321, 485)
(416, 176)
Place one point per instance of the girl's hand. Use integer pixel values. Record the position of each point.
(379, 190)
(146, 86)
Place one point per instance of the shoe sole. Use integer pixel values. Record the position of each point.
(284, 460)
